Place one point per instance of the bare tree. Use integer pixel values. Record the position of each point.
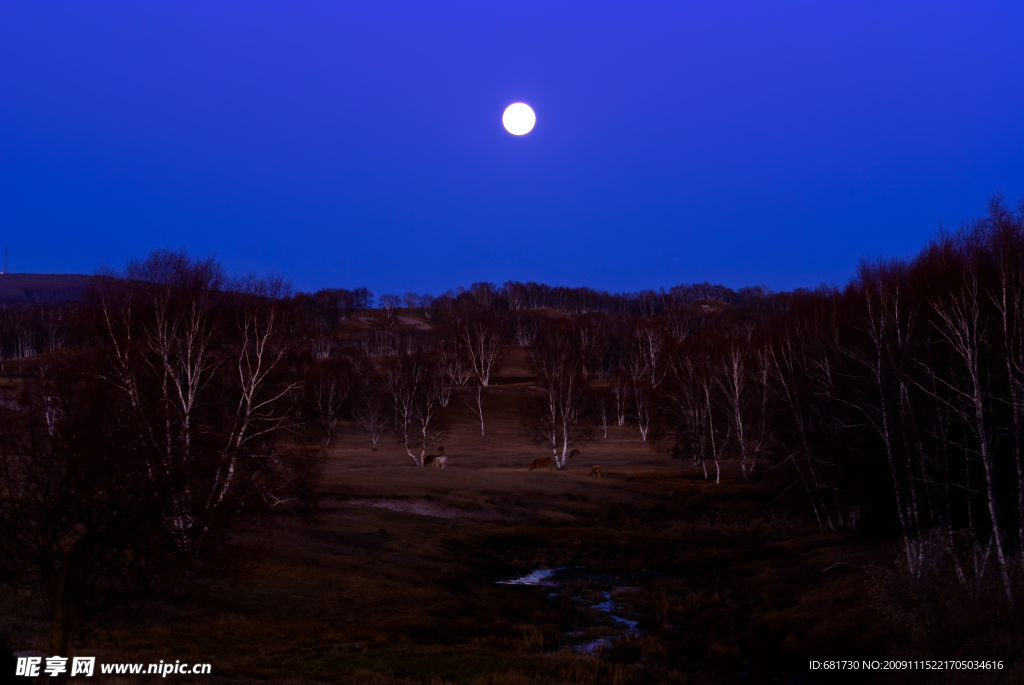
(87, 524)
(695, 403)
(77, 521)
(708, 387)
(127, 484)
(961, 322)
(427, 305)
(524, 327)
(485, 294)
(602, 403)
(445, 300)
(327, 389)
(646, 352)
(159, 324)
(20, 331)
(620, 390)
(382, 340)
(258, 349)
(481, 345)
(642, 409)
(1007, 294)
(414, 389)
(887, 322)
(389, 303)
(680, 322)
(370, 415)
(743, 385)
(483, 342)
(556, 417)
(54, 326)
(320, 314)
(515, 295)
(793, 357)
(451, 364)
(476, 402)
(591, 341)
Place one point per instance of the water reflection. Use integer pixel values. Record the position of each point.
(534, 578)
(608, 606)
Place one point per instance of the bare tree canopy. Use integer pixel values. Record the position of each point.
(134, 482)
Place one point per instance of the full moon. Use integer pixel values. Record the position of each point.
(518, 118)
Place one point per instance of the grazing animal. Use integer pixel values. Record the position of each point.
(541, 463)
(429, 459)
(574, 453)
(595, 471)
(439, 462)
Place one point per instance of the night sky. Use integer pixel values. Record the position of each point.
(347, 144)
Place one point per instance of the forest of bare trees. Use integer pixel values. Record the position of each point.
(895, 403)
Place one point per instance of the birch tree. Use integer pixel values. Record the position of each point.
(620, 391)
(184, 354)
(483, 345)
(476, 403)
(557, 416)
(414, 389)
(327, 390)
(739, 390)
(961, 323)
(646, 352)
(451, 364)
(389, 303)
(119, 479)
(642, 409)
(371, 416)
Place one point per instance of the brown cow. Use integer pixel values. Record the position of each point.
(429, 459)
(541, 463)
(574, 453)
(595, 471)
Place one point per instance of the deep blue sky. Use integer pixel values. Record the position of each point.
(349, 144)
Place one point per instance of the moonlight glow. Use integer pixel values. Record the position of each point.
(518, 119)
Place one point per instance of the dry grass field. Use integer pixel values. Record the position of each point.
(394, 576)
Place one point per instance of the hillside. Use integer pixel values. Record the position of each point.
(41, 288)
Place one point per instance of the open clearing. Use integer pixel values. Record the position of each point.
(395, 576)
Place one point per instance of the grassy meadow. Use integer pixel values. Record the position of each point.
(725, 583)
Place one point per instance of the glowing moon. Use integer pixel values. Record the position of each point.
(518, 119)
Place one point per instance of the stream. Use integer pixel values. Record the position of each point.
(609, 607)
